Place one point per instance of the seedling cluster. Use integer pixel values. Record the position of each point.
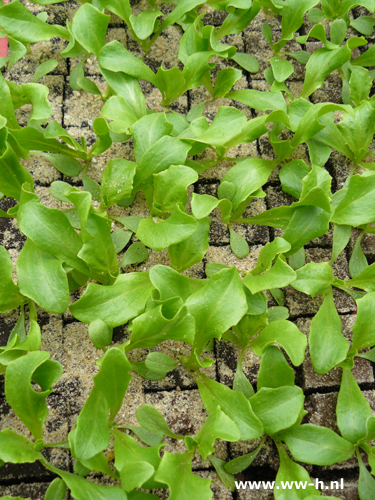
(76, 249)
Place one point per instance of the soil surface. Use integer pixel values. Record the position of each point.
(176, 397)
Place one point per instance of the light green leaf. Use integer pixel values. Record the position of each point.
(246, 61)
(364, 326)
(306, 223)
(263, 101)
(238, 19)
(145, 23)
(278, 276)
(100, 334)
(277, 408)
(92, 436)
(135, 254)
(64, 164)
(247, 328)
(10, 297)
(346, 5)
(89, 27)
(316, 189)
(120, 238)
(293, 13)
(358, 261)
(341, 237)
(128, 451)
(314, 278)
(115, 304)
(291, 176)
(90, 439)
(268, 254)
(294, 474)
(328, 347)
(363, 24)
(298, 259)
(241, 382)
(6, 105)
(114, 57)
(366, 59)
(238, 244)
(285, 334)
(203, 204)
(56, 490)
(352, 409)
(50, 231)
(366, 483)
(225, 80)
(114, 371)
(282, 69)
(42, 278)
(98, 251)
(135, 474)
(81, 489)
(32, 139)
(170, 187)
(226, 477)
(228, 123)
(360, 83)
(130, 99)
(91, 186)
(257, 304)
(233, 404)
(12, 173)
(338, 31)
(247, 177)
(217, 306)
(317, 445)
(147, 131)
(175, 471)
(16, 449)
(280, 375)
(243, 462)
(331, 8)
(323, 61)
(217, 426)
(158, 235)
(19, 22)
(162, 154)
(365, 280)
(29, 405)
(170, 283)
(118, 110)
(160, 363)
(153, 327)
(185, 254)
(153, 421)
(44, 68)
(276, 313)
(117, 181)
(17, 51)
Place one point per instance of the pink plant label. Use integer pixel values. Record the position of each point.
(4, 42)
